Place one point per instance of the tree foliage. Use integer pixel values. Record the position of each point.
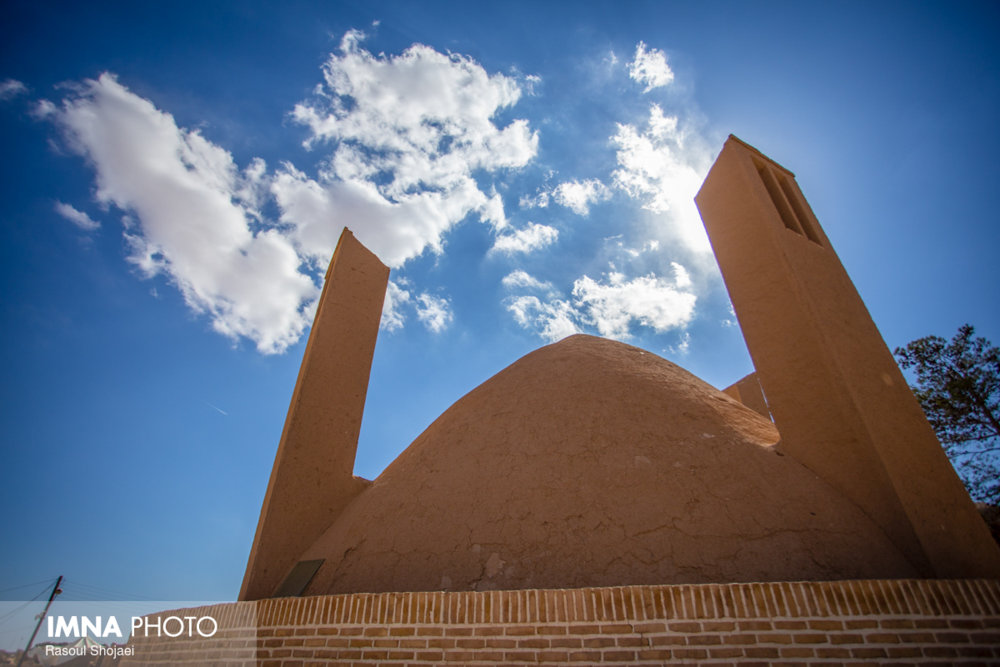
(958, 385)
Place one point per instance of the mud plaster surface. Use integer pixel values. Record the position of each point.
(593, 463)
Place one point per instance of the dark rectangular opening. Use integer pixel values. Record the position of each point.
(785, 211)
(797, 202)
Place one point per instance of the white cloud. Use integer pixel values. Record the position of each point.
(523, 279)
(532, 237)
(681, 276)
(531, 82)
(540, 200)
(579, 195)
(411, 144)
(663, 168)
(618, 242)
(684, 345)
(651, 301)
(650, 68)
(78, 218)
(434, 312)
(396, 231)
(193, 224)
(392, 308)
(11, 88)
(612, 306)
(574, 195)
(43, 110)
(552, 320)
(407, 132)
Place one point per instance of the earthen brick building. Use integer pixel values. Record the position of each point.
(594, 502)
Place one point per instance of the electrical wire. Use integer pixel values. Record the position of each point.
(75, 589)
(49, 583)
(5, 617)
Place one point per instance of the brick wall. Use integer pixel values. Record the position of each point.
(910, 621)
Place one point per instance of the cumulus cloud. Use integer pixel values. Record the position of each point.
(403, 137)
(662, 167)
(612, 306)
(650, 68)
(407, 133)
(407, 147)
(574, 195)
(523, 279)
(532, 237)
(683, 346)
(396, 231)
(681, 276)
(434, 312)
(552, 320)
(539, 200)
(77, 217)
(579, 195)
(192, 224)
(618, 242)
(393, 317)
(11, 88)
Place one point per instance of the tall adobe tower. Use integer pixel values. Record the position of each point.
(313, 475)
(840, 403)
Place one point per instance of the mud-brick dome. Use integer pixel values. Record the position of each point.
(594, 463)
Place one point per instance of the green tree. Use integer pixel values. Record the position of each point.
(958, 385)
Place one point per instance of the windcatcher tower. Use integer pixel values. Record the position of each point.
(313, 475)
(840, 403)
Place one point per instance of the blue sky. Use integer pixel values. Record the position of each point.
(177, 173)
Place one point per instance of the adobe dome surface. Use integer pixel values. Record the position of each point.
(594, 463)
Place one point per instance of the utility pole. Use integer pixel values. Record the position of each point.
(55, 591)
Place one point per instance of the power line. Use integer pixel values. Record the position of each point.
(47, 582)
(108, 594)
(3, 619)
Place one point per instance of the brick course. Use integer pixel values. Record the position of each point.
(906, 621)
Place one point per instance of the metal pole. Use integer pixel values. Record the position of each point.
(55, 592)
